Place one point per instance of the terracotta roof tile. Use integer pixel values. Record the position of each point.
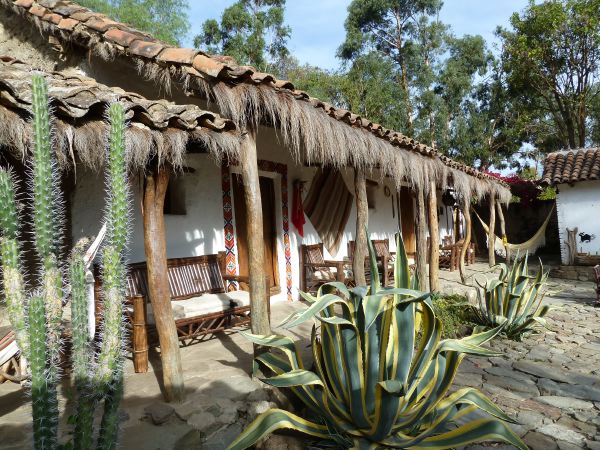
(83, 15)
(53, 17)
(572, 166)
(121, 37)
(177, 55)
(131, 42)
(144, 48)
(24, 3)
(37, 10)
(78, 97)
(67, 24)
(208, 65)
(100, 23)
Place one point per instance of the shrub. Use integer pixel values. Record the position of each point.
(457, 316)
(513, 300)
(381, 374)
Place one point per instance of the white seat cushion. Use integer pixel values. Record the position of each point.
(204, 304)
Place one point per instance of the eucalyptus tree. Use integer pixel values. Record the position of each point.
(407, 32)
(166, 20)
(251, 31)
(551, 56)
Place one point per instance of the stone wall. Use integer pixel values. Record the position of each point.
(580, 273)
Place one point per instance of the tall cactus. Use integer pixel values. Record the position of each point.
(97, 375)
(110, 370)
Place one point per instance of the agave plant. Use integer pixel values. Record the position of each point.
(382, 374)
(513, 300)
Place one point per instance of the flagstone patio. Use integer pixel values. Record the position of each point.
(550, 384)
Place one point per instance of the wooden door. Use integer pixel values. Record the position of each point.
(267, 192)
(407, 216)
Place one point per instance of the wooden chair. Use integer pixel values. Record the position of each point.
(597, 275)
(385, 259)
(316, 271)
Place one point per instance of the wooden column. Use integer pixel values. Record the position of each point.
(492, 232)
(259, 298)
(362, 222)
(467, 240)
(421, 223)
(434, 239)
(139, 335)
(158, 283)
(503, 229)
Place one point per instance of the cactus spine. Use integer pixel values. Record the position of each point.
(38, 331)
(12, 276)
(110, 370)
(82, 350)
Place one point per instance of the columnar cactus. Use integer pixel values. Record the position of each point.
(37, 319)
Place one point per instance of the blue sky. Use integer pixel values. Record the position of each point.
(318, 25)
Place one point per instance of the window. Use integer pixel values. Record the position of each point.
(175, 197)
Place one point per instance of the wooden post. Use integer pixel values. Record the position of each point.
(492, 232)
(139, 335)
(421, 240)
(467, 240)
(503, 229)
(156, 259)
(434, 239)
(259, 298)
(362, 222)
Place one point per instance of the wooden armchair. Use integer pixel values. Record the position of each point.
(316, 271)
(385, 259)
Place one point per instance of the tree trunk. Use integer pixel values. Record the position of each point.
(421, 241)
(259, 298)
(467, 240)
(503, 230)
(156, 256)
(362, 222)
(492, 232)
(434, 240)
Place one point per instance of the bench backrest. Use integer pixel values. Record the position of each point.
(188, 277)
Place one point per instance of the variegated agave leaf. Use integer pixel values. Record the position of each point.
(381, 373)
(513, 300)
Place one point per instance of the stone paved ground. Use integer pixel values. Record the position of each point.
(549, 383)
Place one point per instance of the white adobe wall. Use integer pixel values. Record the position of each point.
(579, 206)
(200, 231)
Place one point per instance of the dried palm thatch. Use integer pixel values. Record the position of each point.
(157, 129)
(312, 130)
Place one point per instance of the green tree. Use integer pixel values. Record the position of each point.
(407, 32)
(251, 31)
(551, 57)
(166, 20)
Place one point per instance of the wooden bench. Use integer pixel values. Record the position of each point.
(199, 299)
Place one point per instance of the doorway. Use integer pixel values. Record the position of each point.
(407, 217)
(267, 193)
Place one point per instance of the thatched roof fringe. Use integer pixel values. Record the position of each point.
(315, 138)
(142, 144)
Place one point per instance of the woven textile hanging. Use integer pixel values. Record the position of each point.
(328, 206)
